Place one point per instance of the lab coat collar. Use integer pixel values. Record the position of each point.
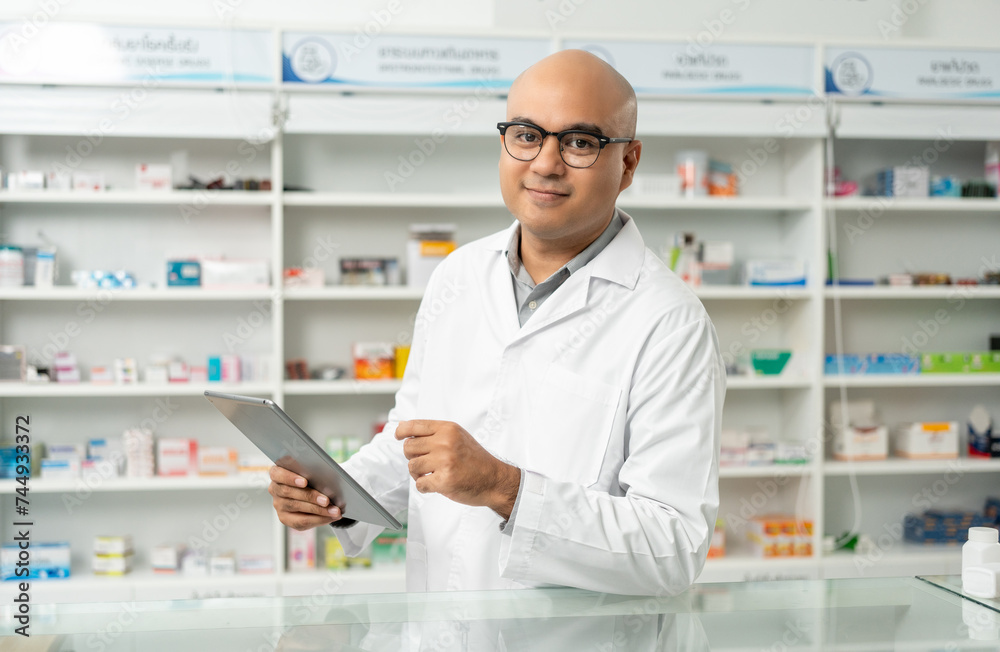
(620, 262)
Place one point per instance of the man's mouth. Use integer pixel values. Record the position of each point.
(545, 193)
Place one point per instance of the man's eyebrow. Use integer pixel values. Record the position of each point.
(579, 126)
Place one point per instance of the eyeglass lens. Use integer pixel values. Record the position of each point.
(577, 149)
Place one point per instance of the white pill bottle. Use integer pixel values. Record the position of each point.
(982, 547)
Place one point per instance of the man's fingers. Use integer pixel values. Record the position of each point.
(309, 497)
(415, 447)
(284, 476)
(416, 428)
(420, 466)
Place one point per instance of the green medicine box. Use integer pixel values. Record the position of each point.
(968, 362)
(769, 362)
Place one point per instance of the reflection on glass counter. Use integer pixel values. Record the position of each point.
(855, 615)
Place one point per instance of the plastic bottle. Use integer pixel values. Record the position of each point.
(981, 548)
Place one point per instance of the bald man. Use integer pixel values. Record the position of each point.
(558, 421)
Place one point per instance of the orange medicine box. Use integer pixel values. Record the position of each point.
(374, 361)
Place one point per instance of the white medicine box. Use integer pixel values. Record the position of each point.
(861, 437)
(153, 176)
(927, 440)
(428, 245)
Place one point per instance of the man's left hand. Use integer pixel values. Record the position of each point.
(446, 459)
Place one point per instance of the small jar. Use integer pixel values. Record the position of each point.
(11, 266)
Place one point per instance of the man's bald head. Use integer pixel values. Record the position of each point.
(578, 69)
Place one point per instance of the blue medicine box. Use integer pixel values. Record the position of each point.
(893, 363)
(183, 273)
(849, 363)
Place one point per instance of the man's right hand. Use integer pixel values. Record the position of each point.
(297, 507)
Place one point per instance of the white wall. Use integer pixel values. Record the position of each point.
(966, 22)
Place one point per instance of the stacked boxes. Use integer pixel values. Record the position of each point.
(780, 535)
(112, 555)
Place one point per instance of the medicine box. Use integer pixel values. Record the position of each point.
(734, 447)
(373, 360)
(769, 362)
(717, 548)
(775, 272)
(255, 564)
(176, 457)
(224, 564)
(113, 545)
(892, 363)
(245, 274)
(428, 245)
(927, 440)
(660, 184)
(301, 550)
(848, 363)
(780, 535)
(65, 469)
(194, 563)
(88, 181)
(153, 176)
(861, 443)
(26, 180)
(903, 181)
(334, 557)
(960, 362)
(304, 277)
(217, 460)
(166, 559)
(388, 548)
(57, 180)
(183, 273)
(112, 564)
(48, 560)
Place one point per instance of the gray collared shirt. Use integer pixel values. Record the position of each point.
(530, 297)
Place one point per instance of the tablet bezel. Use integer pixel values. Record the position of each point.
(315, 465)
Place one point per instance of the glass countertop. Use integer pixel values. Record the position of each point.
(852, 615)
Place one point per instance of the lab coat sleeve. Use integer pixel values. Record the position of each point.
(655, 538)
(380, 466)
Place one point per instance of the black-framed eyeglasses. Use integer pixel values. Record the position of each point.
(578, 149)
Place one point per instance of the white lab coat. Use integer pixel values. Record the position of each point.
(610, 398)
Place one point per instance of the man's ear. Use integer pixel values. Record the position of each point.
(630, 161)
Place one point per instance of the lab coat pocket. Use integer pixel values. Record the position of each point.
(571, 424)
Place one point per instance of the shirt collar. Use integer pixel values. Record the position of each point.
(619, 261)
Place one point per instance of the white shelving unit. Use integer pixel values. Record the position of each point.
(875, 236)
(341, 147)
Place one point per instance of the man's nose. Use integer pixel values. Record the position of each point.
(549, 160)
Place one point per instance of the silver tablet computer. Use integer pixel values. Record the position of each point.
(288, 446)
